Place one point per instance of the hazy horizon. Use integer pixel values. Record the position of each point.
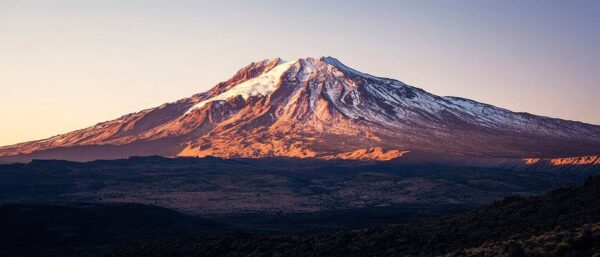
(67, 65)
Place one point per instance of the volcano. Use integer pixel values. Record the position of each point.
(317, 108)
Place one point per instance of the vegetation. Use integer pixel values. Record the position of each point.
(560, 223)
(313, 208)
(581, 241)
(60, 229)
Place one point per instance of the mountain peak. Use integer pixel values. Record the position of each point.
(264, 63)
(334, 62)
(263, 66)
(262, 78)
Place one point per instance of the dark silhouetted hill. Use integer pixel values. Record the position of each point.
(57, 229)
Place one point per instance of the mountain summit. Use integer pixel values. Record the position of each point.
(317, 107)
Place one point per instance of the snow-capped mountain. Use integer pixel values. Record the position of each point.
(317, 108)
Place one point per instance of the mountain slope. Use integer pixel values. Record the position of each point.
(317, 108)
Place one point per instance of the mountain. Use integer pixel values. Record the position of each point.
(317, 108)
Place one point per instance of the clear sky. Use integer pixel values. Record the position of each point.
(66, 65)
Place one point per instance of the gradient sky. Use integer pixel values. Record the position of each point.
(66, 65)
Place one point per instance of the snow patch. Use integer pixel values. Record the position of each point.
(264, 85)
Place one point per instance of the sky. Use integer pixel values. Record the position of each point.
(66, 65)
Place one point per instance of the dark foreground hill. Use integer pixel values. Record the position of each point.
(564, 222)
(66, 229)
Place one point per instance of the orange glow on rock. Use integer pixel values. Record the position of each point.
(578, 160)
(373, 153)
(532, 160)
